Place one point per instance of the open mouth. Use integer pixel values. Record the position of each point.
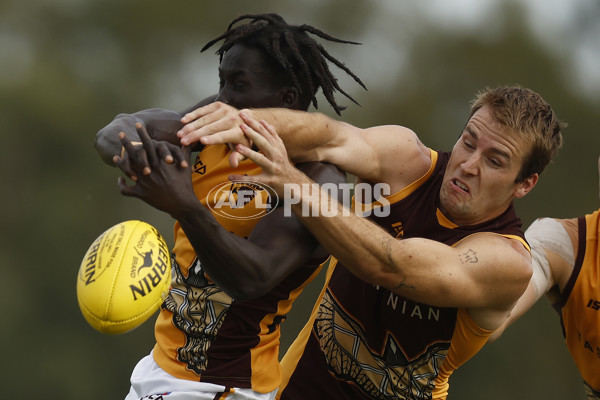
(461, 185)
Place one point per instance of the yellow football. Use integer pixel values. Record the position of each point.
(124, 277)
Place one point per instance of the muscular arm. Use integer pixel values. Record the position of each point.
(161, 124)
(483, 271)
(391, 153)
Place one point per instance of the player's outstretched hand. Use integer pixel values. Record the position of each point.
(215, 123)
(277, 169)
(160, 171)
(135, 157)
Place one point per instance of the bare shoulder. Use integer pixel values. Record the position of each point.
(401, 157)
(394, 138)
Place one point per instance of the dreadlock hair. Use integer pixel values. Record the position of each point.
(294, 50)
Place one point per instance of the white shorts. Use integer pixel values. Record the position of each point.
(150, 382)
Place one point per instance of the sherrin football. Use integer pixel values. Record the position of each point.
(124, 277)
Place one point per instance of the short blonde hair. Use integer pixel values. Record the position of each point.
(526, 113)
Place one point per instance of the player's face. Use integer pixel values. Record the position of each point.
(248, 79)
(479, 182)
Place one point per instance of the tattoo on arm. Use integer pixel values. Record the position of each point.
(469, 256)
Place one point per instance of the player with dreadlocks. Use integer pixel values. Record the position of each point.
(238, 265)
(299, 61)
(294, 50)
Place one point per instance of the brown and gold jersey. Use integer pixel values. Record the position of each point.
(580, 305)
(366, 342)
(203, 334)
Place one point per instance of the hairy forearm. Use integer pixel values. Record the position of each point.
(466, 275)
(307, 136)
(408, 267)
(362, 246)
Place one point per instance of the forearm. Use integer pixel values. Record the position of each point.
(235, 264)
(427, 271)
(410, 267)
(363, 247)
(307, 136)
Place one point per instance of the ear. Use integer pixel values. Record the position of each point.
(290, 97)
(525, 187)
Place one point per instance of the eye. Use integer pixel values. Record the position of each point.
(239, 83)
(494, 163)
(468, 144)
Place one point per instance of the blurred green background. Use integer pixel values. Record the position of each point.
(68, 66)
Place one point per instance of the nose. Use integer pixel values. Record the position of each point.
(471, 164)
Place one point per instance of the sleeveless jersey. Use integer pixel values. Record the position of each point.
(366, 342)
(203, 334)
(580, 305)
